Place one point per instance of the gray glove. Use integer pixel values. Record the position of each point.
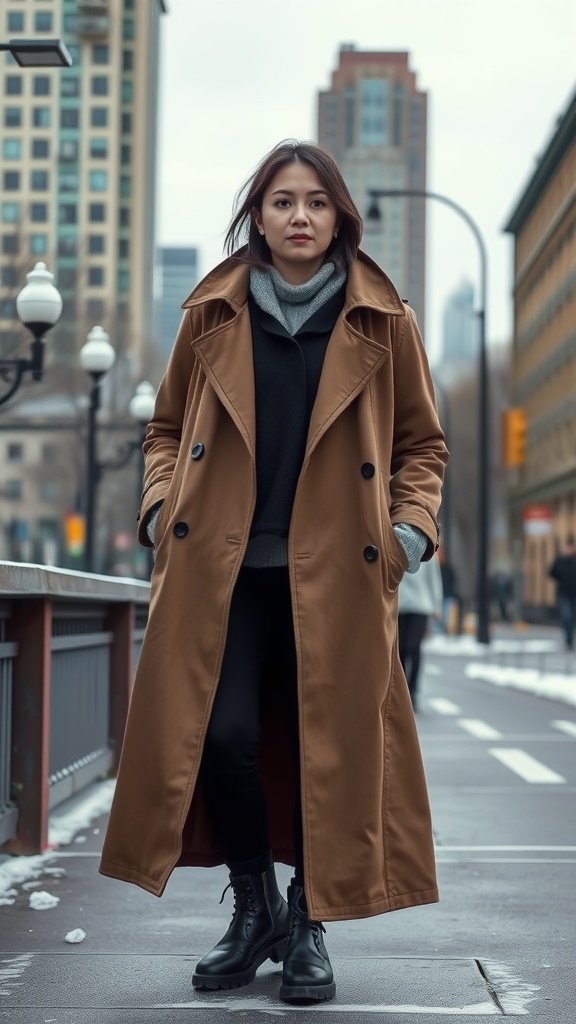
(414, 542)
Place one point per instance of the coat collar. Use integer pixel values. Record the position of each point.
(368, 286)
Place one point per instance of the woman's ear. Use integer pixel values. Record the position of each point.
(257, 220)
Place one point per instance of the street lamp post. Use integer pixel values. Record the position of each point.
(483, 602)
(39, 306)
(97, 357)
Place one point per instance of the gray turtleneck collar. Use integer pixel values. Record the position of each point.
(293, 304)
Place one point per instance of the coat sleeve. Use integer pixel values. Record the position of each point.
(164, 431)
(419, 452)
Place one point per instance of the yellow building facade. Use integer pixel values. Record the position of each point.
(542, 494)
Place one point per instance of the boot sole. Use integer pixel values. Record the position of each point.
(213, 982)
(307, 993)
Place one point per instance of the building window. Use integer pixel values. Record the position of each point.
(8, 277)
(123, 249)
(41, 117)
(128, 60)
(99, 117)
(10, 245)
(11, 181)
(126, 124)
(67, 245)
(40, 148)
(49, 452)
(48, 491)
(41, 85)
(39, 181)
(95, 309)
(38, 244)
(67, 277)
(12, 117)
(100, 54)
(125, 186)
(98, 181)
(99, 149)
(68, 183)
(69, 150)
(99, 85)
(15, 22)
(13, 85)
(15, 452)
(125, 155)
(124, 217)
(12, 490)
(127, 91)
(95, 244)
(10, 212)
(69, 85)
(67, 213)
(96, 276)
(38, 212)
(128, 28)
(96, 213)
(43, 21)
(8, 309)
(123, 281)
(374, 123)
(69, 117)
(11, 149)
(70, 27)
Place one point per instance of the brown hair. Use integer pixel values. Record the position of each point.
(256, 252)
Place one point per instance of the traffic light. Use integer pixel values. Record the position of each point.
(513, 437)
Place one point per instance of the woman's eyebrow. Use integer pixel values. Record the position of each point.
(288, 192)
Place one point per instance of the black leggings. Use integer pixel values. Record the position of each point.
(411, 632)
(259, 647)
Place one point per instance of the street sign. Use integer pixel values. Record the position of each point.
(537, 520)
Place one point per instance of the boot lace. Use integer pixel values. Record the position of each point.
(243, 895)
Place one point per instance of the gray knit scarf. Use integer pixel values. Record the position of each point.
(293, 304)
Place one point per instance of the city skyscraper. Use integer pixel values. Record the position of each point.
(78, 158)
(460, 331)
(373, 119)
(178, 272)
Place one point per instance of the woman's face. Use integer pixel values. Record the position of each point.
(298, 219)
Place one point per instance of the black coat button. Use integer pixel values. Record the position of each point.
(180, 529)
(367, 470)
(197, 451)
(371, 553)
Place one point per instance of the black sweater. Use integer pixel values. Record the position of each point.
(286, 377)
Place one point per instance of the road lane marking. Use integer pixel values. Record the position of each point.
(481, 730)
(443, 706)
(526, 766)
(568, 727)
(506, 849)
(263, 1003)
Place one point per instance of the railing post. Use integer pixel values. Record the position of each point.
(121, 624)
(31, 628)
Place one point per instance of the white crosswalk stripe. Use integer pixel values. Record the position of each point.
(443, 706)
(568, 727)
(526, 766)
(481, 730)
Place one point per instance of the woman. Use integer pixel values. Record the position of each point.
(293, 473)
(419, 597)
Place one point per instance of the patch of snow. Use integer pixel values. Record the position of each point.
(43, 900)
(16, 870)
(76, 935)
(465, 645)
(552, 685)
(54, 872)
(513, 994)
(80, 839)
(14, 969)
(64, 826)
(31, 885)
(241, 1005)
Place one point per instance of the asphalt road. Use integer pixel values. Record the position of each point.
(501, 767)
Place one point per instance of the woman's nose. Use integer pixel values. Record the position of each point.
(300, 214)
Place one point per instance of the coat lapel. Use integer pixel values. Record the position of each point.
(226, 356)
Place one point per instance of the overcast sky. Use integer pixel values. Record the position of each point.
(239, 75)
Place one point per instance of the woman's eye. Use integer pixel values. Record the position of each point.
(318, 204)
(282, 203)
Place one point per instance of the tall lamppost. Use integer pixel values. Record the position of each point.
(97, 357)
(39, 306)
(482, 598)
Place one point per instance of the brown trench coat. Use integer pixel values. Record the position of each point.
(367, 836)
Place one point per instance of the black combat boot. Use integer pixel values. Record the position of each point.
(307, 973)
(258, 931)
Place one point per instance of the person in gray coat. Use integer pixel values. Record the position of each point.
(419, 597)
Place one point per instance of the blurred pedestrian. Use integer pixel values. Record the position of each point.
(450, 597)
(502, 593)
(563, 571)
(293, 472)
(419, 598)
